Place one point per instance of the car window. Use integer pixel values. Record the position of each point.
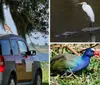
(5, 47)
(22, 47)
(14, 47)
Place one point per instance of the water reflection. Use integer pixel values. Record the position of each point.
(70, 23)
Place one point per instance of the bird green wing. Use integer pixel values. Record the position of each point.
(58, 63)
(71, 61)
(63, 62)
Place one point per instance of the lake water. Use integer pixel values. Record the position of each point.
(43, 57)
(68, 21)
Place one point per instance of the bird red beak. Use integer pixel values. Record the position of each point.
(97, 53)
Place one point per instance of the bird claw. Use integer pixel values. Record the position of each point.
(64, 74)
(72, 74)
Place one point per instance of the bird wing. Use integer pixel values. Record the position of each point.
(72, 61)
(64, 62)
(58, 63)
(89, 12)
(57, 57)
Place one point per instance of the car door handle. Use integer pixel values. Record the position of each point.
(23, 60)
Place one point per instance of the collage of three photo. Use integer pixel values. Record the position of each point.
(49, 42)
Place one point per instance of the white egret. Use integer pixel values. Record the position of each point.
(89, 11)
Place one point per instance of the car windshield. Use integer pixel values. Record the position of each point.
(5, 47)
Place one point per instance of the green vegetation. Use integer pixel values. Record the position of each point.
(88, 76)
(45, 70)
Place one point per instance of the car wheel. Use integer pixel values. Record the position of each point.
(38, 79)
(11, 81)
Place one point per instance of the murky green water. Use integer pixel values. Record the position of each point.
(68, 20)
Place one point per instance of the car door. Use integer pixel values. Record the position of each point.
(25, 69)
(18, 62)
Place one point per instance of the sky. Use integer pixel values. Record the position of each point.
(9, 21)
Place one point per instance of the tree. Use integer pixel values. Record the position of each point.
(28, 15)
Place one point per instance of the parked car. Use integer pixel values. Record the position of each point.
(18, 65)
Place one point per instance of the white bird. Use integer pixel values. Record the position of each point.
(89, 11)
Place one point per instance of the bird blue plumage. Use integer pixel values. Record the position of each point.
(71, 63)
(81, 62)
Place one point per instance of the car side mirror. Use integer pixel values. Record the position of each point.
(31, 52)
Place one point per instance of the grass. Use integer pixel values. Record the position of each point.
(88, 76)
(45, 70)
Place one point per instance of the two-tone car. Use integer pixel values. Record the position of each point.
(18, 64)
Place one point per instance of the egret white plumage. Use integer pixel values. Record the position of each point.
(89, 11)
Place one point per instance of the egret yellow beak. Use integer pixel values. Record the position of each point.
(78, 4)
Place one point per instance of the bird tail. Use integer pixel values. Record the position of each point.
(57, 57)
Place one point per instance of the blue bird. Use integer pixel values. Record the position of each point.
(72, 63)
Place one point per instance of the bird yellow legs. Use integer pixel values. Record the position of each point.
(71, 74)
